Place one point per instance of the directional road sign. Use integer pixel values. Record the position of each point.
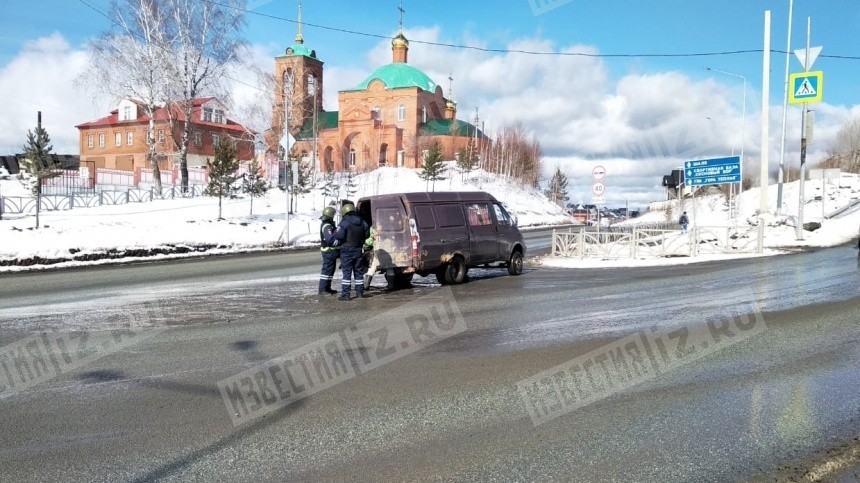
(806, 87)
(712, 171)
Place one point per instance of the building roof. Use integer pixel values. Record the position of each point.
(398, 75)
(299, 48)
(162, 115)
(327, 120)
(449, 127)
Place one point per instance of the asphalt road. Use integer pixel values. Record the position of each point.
(137, 393)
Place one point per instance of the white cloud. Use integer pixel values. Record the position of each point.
(41, 78)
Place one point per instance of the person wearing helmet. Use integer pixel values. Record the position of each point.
(330, 248)
(352, 232)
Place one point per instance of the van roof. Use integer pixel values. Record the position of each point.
(436, 197)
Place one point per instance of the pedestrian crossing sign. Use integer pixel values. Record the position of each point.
(805, 87)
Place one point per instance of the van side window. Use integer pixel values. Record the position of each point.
(389, 219)
(501, 215)
(479, 214)
(424, 217)
(449, 215)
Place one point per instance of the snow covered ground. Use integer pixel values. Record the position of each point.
(780, 229)
(187, 227)
(191, 225)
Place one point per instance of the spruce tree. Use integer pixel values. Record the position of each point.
(433, 169)
(222, 172)
(38, 162)
(254, 184)
(557, 191)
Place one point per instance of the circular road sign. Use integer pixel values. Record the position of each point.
(598, 188)
(598, 173)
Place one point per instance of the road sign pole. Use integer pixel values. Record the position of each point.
(781, 173)
(765, 125)
(800, 191)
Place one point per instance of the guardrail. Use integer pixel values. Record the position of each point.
(647, 242)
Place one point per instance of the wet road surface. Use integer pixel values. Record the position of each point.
(152, 410)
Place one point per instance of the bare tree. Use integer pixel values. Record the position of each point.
(206, 41)
(128, 61)
(516, 155)
(848, 146)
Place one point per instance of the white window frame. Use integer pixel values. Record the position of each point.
(216, 138)
(126, 113)
(207, 114)
(218, 116)
(101, 139)
(401, 112)
(198, 138)
(117, 139)
(161, 135)
(90, 138)
(129, 138)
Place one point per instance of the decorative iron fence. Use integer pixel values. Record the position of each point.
(27, 204)
(645, 243)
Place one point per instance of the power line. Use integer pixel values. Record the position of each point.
(516, 51)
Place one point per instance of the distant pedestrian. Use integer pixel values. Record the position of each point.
(684, 221)
(352, 233)
(330, 249)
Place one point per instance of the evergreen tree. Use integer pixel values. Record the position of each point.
(254, 183)
(329, 186)
(557, 191)
(467, 159)
(222, 172)
(38, 162)
(351, 185)
(433, 169)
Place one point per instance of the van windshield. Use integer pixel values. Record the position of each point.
(389, 219)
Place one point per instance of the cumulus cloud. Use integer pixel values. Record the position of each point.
(41, 78)
(639, 125)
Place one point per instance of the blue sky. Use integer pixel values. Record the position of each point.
(598, 91)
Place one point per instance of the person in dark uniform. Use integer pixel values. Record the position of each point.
(330, 249)
(352, 232)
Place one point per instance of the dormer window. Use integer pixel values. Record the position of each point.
(219, 116)
(207, 114)
(126, 113)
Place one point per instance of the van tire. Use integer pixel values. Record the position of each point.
(456, 271)
(442, 274)
(515, 263)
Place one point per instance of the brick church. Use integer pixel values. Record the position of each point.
(390, 119)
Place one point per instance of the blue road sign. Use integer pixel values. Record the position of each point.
(712, 171)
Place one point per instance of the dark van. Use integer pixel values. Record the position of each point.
(443, 233)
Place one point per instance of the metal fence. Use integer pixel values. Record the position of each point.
(49, 202)
(654, 242)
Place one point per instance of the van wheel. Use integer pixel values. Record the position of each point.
(457, 271)
(515, 264)
(442, 274)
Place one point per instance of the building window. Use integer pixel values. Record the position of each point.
(207, 114)
(90, 141)
(215, 140)
(126, 113)
(351, 157)
(198, 138)
(376, 113)
(101, 139)
(129, 138)
(219, 116)
(161, 135)
(401, 112)
(117, 139)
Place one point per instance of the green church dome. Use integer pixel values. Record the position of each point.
(398, 75)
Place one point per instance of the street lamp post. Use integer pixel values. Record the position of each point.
(743, 120)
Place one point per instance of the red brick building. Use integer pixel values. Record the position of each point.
(118, 141)
(389, 119)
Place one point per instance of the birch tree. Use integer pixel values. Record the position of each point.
(128, 61)
(206, 43)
